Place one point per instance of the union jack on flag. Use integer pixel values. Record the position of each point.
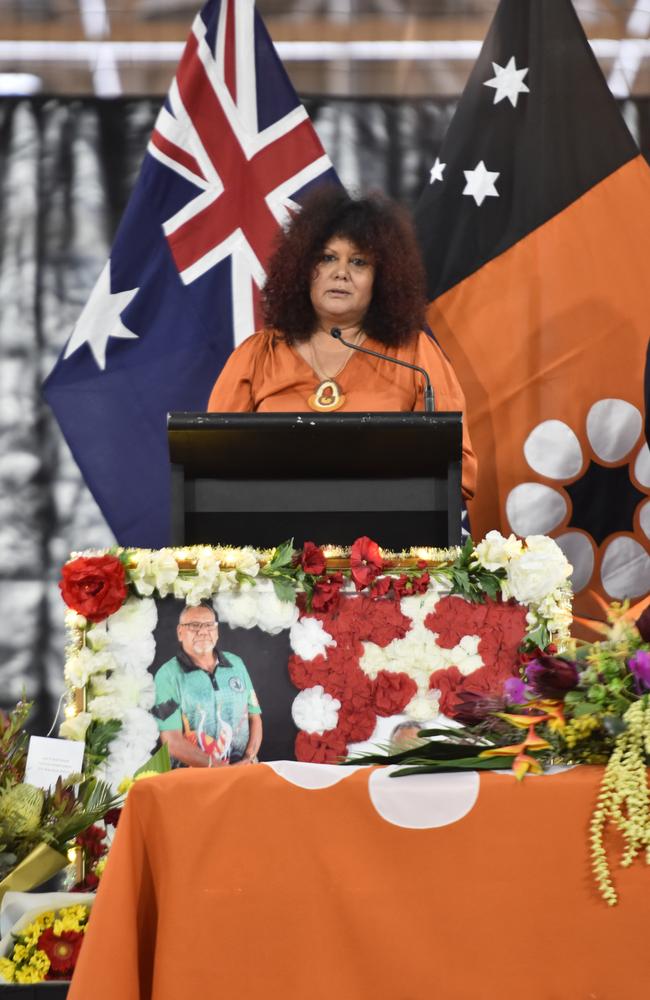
(232, 152)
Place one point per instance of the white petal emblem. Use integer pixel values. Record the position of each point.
(534, 509)
(613, 428)
(553, 450)
(625, 570)
(579, 551)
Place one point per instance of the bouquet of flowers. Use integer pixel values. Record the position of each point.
(37, 826)
(589, 706)
(46, 947)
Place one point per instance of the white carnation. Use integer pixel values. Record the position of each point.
(136, 616)
(274, 615)
(424, 706)
(539, 570)
(418, 606)
(75, 728)
(309, 639)
(315, 711)
(238, 609)
(495, 551)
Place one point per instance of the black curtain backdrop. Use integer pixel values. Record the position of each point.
(67, 167)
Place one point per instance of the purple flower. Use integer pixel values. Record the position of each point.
(552, 676)
(639, 666)
(517, 692)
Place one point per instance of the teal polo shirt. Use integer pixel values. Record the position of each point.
(219, 703)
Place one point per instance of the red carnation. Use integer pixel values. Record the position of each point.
(62, 951)
(365, 562)
(380, 587)
(312, 559)
(326, 593)
(392, 692)
(325, 748)
(94, 587)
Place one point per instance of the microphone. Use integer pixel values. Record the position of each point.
(429, 405)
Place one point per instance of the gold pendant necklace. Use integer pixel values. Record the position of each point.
(328, 395)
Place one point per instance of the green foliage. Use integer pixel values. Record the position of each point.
(99, 737)
(159, 762)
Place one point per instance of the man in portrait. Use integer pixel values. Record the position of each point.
(206, 709)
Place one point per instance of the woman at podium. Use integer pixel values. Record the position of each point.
(352, 266)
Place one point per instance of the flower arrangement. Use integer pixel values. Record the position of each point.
(47, 948)
(589, 706)
(368, 630)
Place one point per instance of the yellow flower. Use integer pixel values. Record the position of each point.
(126, 784)
(100, 866)
(7, 969)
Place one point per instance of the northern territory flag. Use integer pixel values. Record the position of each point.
(232, 153)
(535, 226)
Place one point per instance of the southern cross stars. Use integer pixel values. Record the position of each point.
(437, 171)
(100, 319)
(480, 183)
(508, 81)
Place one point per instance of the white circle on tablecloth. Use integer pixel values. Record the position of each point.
(310, 776)
(423, 801)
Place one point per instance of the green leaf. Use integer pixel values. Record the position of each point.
(584, 708)
(284, 589)
(159, 762)
(282, 556)
(99, 736)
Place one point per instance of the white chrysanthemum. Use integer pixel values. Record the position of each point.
(538, 571)
(274, 615)
(84, 664)
(238, 609)
(75, 728)
(111, 696)
(315, 711)
(424, 706)
(309, 639)
(136, 616)
(137, 737)
(495, 551)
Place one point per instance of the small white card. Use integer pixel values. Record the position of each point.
(49, 759)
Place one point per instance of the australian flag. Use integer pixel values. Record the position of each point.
(232, 152)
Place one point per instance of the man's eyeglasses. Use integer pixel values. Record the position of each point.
(199, 626)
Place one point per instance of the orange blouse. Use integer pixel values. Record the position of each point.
(264, 374)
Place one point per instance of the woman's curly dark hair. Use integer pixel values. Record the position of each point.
(379, 228)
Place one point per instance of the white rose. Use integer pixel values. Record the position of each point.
(309, 639)
(538, 571)
(495, 551)
(315, 711)
(75, 728)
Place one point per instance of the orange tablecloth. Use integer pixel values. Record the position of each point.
(238, 883)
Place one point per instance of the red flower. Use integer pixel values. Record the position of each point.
(315, 748)
(392, 692)
(312, 559)
(326, 593)
(112, 817)
(380, 587)
(94, 587)
(365, 562)
(92, 841)
(62, 951)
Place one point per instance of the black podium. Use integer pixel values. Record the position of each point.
(258, 479)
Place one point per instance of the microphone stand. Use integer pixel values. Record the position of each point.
(429, 405)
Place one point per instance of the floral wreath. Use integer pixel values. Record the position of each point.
(373, 633)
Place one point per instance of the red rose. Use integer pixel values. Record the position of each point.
(392, 692)
(365, 562)
(95, 587)
(62, 951)
(326, 593)
(312, 559)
